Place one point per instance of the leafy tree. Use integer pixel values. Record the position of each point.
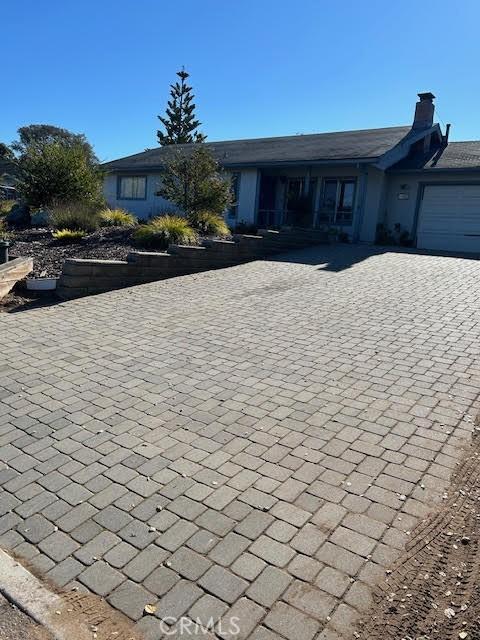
(6, 154)
(193, 181)
(180, 122)
(39, 135)
(53, 172)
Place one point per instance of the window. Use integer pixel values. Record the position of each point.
(233, 211)
(337, 202)
(132, 187)
(294, 191)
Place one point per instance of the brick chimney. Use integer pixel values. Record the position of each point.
(424, 110)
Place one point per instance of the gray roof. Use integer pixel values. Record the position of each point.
(455, 156)
(365, 144)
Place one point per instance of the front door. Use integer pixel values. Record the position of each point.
(267, 215)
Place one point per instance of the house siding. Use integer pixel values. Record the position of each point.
(247, 199)
(403, 211)
(154, 205)
(374, 203)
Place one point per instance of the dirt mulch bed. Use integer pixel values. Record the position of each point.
(22, 300)
(107, 243)
(433, 590)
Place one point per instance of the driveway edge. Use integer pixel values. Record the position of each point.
(26, 592)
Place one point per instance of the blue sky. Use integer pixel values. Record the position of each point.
(258, 67)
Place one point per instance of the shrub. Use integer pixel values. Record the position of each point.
(208, 223)
(75, 215)
(194, 181)
(165, 230)
(4, 235)
(68, 236)
(19, 215)
(398, 236)
(117, 218)
(39, 218)
(6, 206)
(56, 173)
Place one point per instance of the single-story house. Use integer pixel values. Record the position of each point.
(410, 176)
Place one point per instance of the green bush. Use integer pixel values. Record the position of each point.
(194, 181)
(75, 215)
(39, 218)
(165, 230)
(68, 236)
(52, 173)
(209, 224)
(6, 206)
(117, 218)
(4, 235)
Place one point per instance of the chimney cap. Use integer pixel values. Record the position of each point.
(426, 96)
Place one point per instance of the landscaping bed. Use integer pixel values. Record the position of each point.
(106, 243)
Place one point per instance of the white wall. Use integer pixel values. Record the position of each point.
(374, 204)
(403, 210)
(247, 201)
(153, 205)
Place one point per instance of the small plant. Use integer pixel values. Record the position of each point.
(75, 215)
(4, 235)
(209, 224)
(68, 236)
(117, 218)
(383, 235)
(165, 230)
(398, 236)
(404, 239)
(6, 206)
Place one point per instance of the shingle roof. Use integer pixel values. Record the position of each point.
(456, 155)
(343, 145)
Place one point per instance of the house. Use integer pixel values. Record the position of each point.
(410, 176)
(7, 181)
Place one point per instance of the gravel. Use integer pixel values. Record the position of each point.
(107, 243)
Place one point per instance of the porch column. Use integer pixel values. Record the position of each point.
(306, 182)
(360, 206)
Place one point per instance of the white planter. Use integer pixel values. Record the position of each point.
(41, 284)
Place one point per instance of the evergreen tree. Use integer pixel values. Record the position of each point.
(179, 121)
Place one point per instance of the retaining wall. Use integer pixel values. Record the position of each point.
(85, 277)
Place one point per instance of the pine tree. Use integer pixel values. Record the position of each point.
(179, 121)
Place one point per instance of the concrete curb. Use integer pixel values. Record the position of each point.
(27, 593)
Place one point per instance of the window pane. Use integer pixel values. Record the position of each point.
(125, 188)
(295, 187)
(133, 187)
(347, 193)
(329, 198)
(345, 203)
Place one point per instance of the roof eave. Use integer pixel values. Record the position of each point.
(254, 165)
(401, 149)
(430, 170)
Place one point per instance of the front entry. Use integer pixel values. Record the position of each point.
(268, 216)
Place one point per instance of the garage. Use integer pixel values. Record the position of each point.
(449, 218)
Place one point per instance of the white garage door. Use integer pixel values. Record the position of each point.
(449, 218)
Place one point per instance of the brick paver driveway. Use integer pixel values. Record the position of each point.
(255, 442)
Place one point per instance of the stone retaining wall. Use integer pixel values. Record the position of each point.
(86, 277)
